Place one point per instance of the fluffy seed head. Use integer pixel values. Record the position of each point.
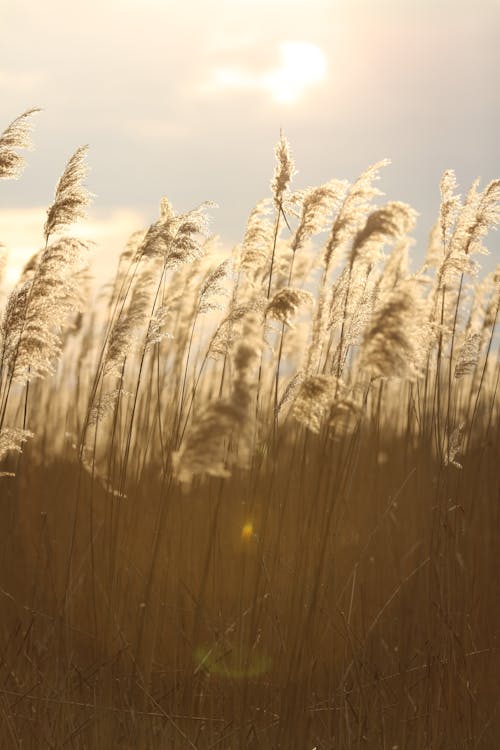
(286, 302)
(316, 207)
(213, 286)
(16, 135)
(450, 204)
(258, 239)
(284, 170)
(176, 239)
(392, 221)
(468, 355)
(12, 439)
(353, 211)
(314, 397)
(392, 343)
(454, 447)
(37, 308)
(204, 448)
(71, 198)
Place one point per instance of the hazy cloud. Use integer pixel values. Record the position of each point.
(21, 231)
(26, 81)
(302, 65)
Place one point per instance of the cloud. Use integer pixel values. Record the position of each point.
(302, 65)
(20, 81)
(156, 128)
(21, 232)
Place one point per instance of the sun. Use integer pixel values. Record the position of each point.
(302, 65)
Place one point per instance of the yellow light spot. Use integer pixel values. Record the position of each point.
(247, 531)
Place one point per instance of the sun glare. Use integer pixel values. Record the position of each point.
(12, 274)
(303, 65)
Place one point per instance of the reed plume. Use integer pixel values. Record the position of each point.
(317, 206)
(391, 222)
(276, 490)
(393, 342)
(257, 240)
(352, 213)
(285, 304)
(16, 135)
(213, 287)
(313, 399)
(176, 238)
(454, 447)
(71, 197)
(124, 333)
(354, 207)
(204, 450)
(12, 440)
(283, 173)
(468, 355)
(37, 309)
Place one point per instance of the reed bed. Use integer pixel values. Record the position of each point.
(250, 497)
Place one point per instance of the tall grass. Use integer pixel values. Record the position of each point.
(250, 499)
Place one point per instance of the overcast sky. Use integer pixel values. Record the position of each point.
(186, 100)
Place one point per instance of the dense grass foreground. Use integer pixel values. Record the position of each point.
(251, 499)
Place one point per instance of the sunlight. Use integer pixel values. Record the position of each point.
(12, 274)
(303, 65)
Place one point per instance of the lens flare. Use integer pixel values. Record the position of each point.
(247, 531)
(231, 662)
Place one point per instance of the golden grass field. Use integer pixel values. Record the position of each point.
(250, 499)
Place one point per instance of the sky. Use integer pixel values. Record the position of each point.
(186, 100)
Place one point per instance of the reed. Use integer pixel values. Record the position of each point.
(250, 499)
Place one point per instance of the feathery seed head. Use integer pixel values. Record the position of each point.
(248, 349)
(314, 397)
(203, 450)
(434, 252)
(284, 171)
(344, 414)
(396, 266)
(317, 204)
(468, 355)
(213, 286)
(176, 239)
(286, 302)
(229, 329)
(38, 306)
(16, 135)
(258, 238)
(71, 198)
(123, 334)
(393, 343)
(353, 211)
(454, 447)
(392, 221)
(106, 405)
(492, 284)
(450, 204)
(12, 439)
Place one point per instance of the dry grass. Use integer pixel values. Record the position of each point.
(252, 502)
